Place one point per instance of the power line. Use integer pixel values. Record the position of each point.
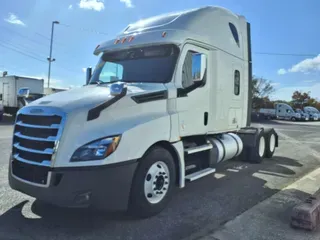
(25, 54)
(24, 36)
(47, 38)
(286, 54)
(12, 48)
(21, 48)
(84, 29)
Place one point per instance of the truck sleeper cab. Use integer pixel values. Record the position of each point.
(286, 112)
(168, 100)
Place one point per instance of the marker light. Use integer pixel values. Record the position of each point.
(164, 34)
(131, 38)
(116, 41)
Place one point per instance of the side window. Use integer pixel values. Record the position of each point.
(0, 96)
(111, 72)
(236, 82)
(194, 68)
(234, 33)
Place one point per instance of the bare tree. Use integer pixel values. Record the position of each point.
(261, 87)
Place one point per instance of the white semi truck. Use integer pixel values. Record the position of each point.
(313, 112)
(169, 99)
(9, 86)
(285, 112)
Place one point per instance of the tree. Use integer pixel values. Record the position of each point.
(261, 87)
(261, 90)
(301, 97)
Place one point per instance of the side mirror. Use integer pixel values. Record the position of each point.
(88, 75)
(23, 92)
(117, 88)
(199, 66)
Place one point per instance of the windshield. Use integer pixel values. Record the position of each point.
(312, 109)
(148, 64)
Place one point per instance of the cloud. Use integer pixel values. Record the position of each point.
(307, 65)
(13, 19)
(70, 7)
(96, 5)
(282, 71)
(285, 93)
(128, 3)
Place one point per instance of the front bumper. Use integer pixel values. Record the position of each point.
(103, 187)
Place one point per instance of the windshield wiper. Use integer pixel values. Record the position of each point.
(98, 82)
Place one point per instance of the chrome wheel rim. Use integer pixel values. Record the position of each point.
(156, 182)
(272, 143)
(262, 146)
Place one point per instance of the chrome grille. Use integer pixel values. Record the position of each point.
(36, 135)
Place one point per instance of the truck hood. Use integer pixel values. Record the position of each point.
(91, 95)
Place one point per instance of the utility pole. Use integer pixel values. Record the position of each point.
(50, 59)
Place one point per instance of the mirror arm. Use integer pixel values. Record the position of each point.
(182, 92)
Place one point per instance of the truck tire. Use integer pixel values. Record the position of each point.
(271, 140)
(257, 153)
(153, 183)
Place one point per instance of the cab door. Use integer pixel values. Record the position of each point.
(193, 90)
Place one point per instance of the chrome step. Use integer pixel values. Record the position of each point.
(200, 148)
(202, 173)
(189, 167)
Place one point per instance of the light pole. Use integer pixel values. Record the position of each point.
(50, 59)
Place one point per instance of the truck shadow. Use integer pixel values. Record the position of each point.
(206, 203)
(7, 120)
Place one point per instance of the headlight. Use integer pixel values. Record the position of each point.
(96, 150)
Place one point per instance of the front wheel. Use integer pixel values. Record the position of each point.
(153, 183)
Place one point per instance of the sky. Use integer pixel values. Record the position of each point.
(285, 37)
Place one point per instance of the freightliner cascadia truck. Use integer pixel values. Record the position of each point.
(169, 100)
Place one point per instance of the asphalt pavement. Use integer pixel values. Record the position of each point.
(200, 208)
